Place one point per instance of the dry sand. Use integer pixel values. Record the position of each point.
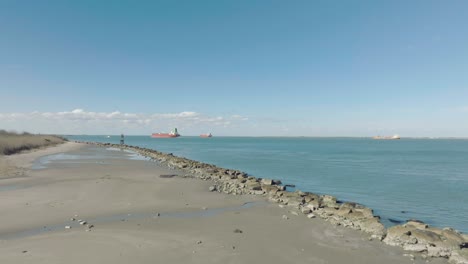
(122, 197)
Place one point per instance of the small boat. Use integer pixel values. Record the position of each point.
(172, 134)
(206, 135)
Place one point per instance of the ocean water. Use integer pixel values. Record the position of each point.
(424, 179)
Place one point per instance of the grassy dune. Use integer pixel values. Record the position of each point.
(11, 143)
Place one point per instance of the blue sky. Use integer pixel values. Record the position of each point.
(272, 68)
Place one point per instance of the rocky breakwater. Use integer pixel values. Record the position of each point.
(417, 236)
(413, 236)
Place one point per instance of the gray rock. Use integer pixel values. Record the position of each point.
(313, 205)
(305, 210)
(311, 215)
(270, 188)
(435, 251)
(374, 227)
(416, 224)
(212, 188)
(459, 256)
(266, 182)
(253, 185)
(366, 212)
(277, 182)
(426, 236)
(326, 212)
(293, 203)
(415, 247)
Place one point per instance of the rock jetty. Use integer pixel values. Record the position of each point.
(413, 236)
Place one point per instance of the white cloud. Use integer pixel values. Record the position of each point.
(238, 117)
(80, 121)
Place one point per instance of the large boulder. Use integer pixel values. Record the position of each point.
(397, 235)
(329, 201)
(326, 212)
(419, 237)
(306, 210)
(266, 182)
(294, 203)
(313, 205)
(271, 189)
(373, 227)
(308, 197)
(366, 212)
(426, 236)
(343, 211)
(253, 185)
(416, 224)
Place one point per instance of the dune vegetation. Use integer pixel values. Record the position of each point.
(11, 142)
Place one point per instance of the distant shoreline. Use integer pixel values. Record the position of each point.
(221, 136)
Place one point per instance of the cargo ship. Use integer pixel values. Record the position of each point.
(206, 135)
(387, 137)
(172, 134)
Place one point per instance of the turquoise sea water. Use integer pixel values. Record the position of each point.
(425, 179)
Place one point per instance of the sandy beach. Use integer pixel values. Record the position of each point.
(136, 213)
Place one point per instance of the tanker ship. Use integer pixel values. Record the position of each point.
(206, 135)
(172, 134)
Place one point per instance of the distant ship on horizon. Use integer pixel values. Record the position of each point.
(206, 135)
(387, 137)
(172, 134)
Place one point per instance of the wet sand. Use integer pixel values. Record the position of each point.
(141, 217)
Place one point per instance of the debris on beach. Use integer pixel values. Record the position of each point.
(293, 213)
(67, 227)
(237, 230)
(167, 176)
(285, 217)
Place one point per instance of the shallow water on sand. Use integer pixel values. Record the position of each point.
(89, 157)
(153, 216)
(425, 179)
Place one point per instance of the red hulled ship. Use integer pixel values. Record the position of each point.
(206, 135)
(172, 134)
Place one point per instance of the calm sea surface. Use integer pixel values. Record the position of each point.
(425, 179)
